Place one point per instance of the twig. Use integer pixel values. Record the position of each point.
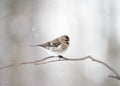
(35, 62)
(48, 60)
(7, 66)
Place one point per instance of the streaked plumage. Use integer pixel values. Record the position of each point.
(56, 46)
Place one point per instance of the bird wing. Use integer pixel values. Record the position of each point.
(45, 45)
(55, 43)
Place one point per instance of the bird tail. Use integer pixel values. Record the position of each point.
(35, 45)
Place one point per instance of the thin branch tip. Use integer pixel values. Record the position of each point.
(116, 77)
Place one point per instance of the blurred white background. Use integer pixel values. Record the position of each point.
(93, 27)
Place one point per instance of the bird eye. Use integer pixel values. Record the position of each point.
(67, 38)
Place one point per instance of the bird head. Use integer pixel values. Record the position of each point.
(64, 39)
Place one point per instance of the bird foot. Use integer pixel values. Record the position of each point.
(62, 58)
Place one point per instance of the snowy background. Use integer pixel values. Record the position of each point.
(93, 27)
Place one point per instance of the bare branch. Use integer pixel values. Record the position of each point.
(35, 62)
(7, 66)
(116, 77)
(48, 60)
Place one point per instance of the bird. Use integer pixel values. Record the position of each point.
(56, 46)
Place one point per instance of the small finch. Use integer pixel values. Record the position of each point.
(56, 46)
